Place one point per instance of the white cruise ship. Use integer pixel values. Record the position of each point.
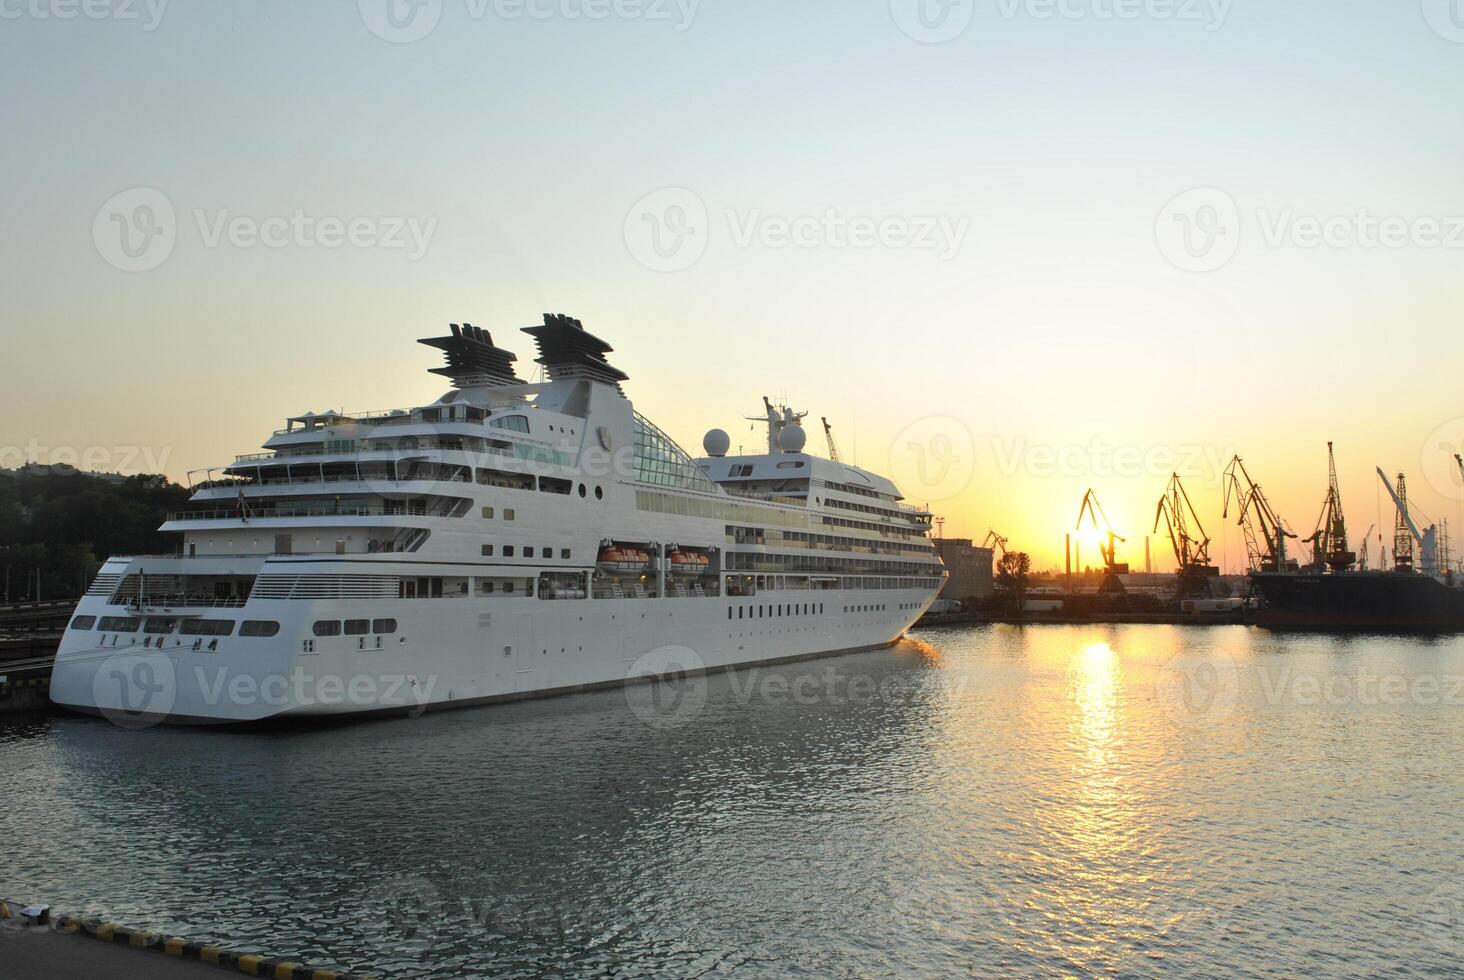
(509, 540)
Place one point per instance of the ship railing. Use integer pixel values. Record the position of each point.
(285, 455)
(690, 592)
(457, 509)
(323, 421)
(774, 498)
(157, 603)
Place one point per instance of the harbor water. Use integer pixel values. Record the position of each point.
(1130, 800)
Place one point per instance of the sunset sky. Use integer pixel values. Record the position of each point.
(1011, 249)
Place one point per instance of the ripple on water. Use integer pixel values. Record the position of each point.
(1132, 800)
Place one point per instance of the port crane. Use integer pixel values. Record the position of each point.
(829, 437)
(1265, 533)
(1329, 540)
(1187, 537)
(1112, 568)
(1406, 532)
(995, 541)
(1362, 555)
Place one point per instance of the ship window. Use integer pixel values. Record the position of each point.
(489, 477)
(659, 460)
(564, 553)
(514, 423)
(528, 551)
(487, 513)
(327, 627)
(358, 627)
(551, 484)
(384, 626)
(546, 552)
(508, 513)
(508, 551)
(599, 493)
(487, 551)
(259, 627)
(207, 627)
(508, 586)
(486, 586)
(156, 626)
(582, 490)
(83, 622)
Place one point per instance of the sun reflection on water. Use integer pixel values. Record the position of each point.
(1096, 694)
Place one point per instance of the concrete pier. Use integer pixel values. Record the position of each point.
(40, 953)
(35, 942)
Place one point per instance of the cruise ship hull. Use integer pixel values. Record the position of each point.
(1359, 600)
(508, 540)
(456, 653)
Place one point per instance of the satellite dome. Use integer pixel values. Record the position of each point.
(792, 438)
(716, 442)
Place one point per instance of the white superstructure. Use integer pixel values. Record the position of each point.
(508, 540)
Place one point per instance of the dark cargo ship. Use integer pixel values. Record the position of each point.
(1406, 601)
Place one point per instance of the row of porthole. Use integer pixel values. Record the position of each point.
(545, 552)
(779, 609)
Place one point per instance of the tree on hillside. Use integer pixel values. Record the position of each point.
(64, 524)
(1012, 573)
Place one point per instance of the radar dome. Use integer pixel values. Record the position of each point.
(716, 442)
(792, 438)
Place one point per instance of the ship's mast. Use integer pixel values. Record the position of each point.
(776, 418)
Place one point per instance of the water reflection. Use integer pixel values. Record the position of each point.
(1096, 685)
(991, 801)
